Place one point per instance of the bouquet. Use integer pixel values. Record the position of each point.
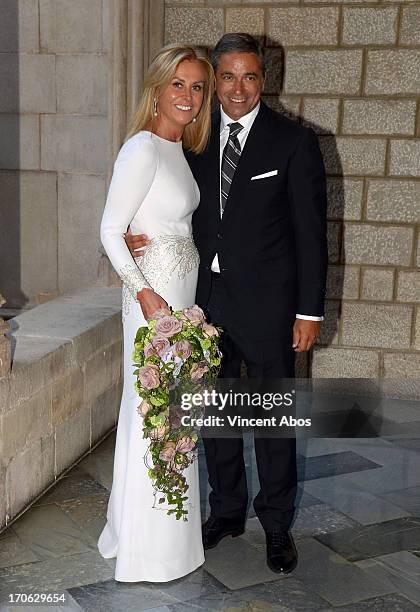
(176, 346)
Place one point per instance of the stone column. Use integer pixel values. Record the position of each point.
(5, 353)
(117, 95)
(137, 28)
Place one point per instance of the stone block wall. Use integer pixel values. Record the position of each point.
(352, 72)
(63, 393)
(54, 71)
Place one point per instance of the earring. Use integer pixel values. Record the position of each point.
(194, 120)
(155, 107)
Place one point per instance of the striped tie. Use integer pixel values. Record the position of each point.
(230, 159)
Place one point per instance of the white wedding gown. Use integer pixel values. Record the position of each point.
(153, 191)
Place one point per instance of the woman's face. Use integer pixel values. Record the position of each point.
(180, 101)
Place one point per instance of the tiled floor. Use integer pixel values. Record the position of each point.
(357, 530)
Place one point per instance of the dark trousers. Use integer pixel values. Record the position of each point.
(276, 457)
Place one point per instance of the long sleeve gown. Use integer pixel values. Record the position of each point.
(153, 191)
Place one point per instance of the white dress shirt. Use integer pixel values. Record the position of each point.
(246, 121)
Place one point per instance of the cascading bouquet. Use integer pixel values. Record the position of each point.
(175, 347)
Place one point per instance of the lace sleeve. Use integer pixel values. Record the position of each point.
(133, 279)
(134, 172)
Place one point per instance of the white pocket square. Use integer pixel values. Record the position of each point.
(265, 175)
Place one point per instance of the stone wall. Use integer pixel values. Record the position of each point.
(53, 145)
(352, 73)
(71, 73)
(63, 393)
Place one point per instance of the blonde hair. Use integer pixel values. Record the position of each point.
(159, 74)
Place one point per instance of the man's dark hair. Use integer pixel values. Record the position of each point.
(237, 42)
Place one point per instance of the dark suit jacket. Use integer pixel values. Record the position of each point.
(271, 241)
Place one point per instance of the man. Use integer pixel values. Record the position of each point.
(260, 230)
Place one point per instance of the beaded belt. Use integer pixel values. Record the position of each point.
(165, 256)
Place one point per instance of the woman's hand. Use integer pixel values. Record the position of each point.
(150, 302)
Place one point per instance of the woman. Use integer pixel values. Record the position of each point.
(152, 189)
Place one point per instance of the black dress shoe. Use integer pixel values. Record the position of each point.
(281, 551)
(215, 529)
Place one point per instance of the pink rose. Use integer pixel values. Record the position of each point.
(184, 445)
(210, 330)
(161, 345)
(175, 416)
(160, 313)
(157, 346)
(149, 376)
(149, 350)
(144, 408)
(198, 370)
(194, 314)
(168, 326)
(158, 433)
(168, 452)
(183, 349)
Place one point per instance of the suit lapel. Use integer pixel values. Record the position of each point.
(210, 164)
(254, 147)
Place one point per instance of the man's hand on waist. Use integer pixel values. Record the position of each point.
(136, 242)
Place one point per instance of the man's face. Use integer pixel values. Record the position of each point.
(239, 83)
